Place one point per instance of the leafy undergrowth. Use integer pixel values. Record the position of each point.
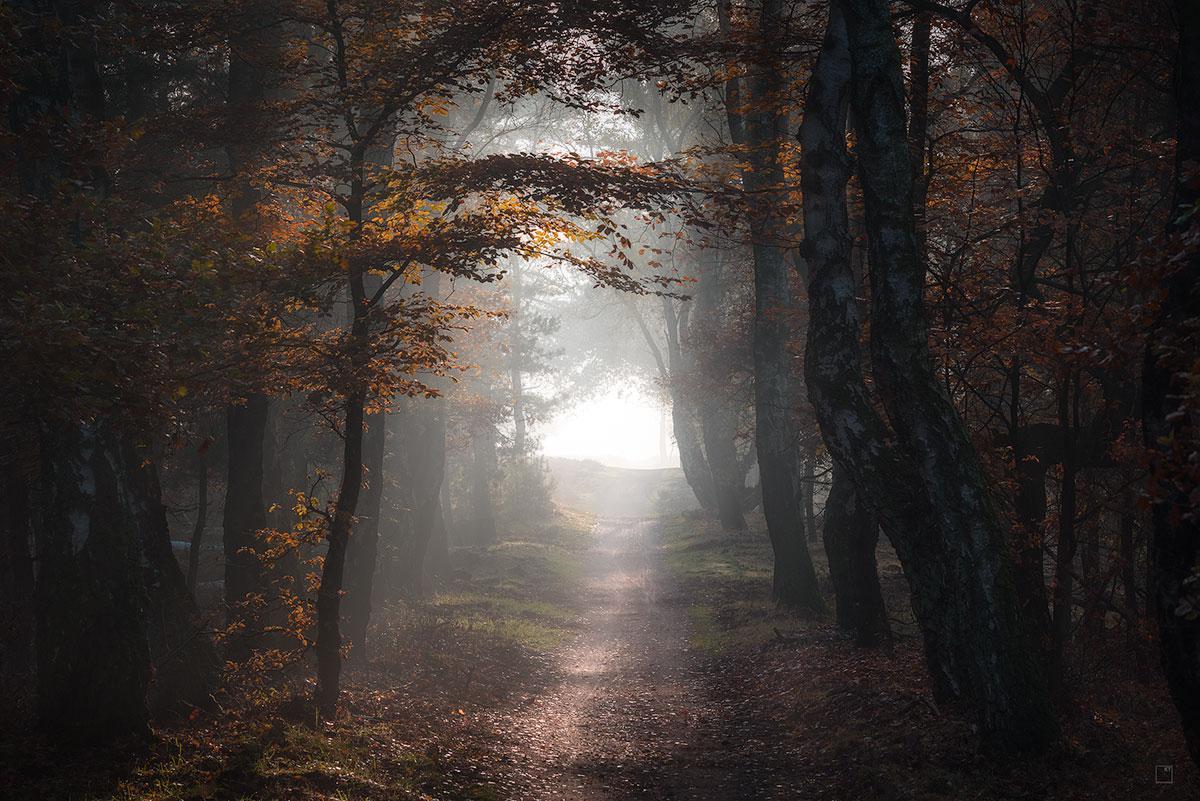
(849, 723)
(416, 722)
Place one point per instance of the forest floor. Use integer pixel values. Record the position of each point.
(623, 650)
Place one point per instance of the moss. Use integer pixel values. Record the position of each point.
(726, 579)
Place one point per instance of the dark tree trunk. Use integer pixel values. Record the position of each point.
(363, 551)
(437, 563)
(1064, 567)
(918, 121)
(776, 436)
(855, 435)
(16, 571)
(998, 646)
(93, 660)
(329, 594)
(517, 365)
(186, 665)
(422, 453)
(808, 491)
(716, 410)
(481, 520)
(1030, 469)
(245, 515)
(684, 426)
(719, 426)
(201, 521)
(851, 535)
(1169, 428)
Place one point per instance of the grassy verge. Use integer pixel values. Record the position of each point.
(725, 579)
(523, 589)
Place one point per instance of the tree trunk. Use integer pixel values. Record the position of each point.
(856, 437)
(329, 594)
(363, 551)
(1030, 469)
(719, 426)
(244, 516)
(201, 521)
(16, 572)
(808, 491)
(715, 407)
(851, 535)
(186, 665)
(481, 521)
(997, 644)
(517, 365)
(692, 460)
(1064, 567)
(1169, 427)
(93, 660)
(794, 584)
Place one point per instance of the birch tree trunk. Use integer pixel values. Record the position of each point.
(997, 648)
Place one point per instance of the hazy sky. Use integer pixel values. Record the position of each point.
(616, 428)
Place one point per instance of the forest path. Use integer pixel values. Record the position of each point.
(632, 715)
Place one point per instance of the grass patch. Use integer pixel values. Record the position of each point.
(725, 579)
(523, 589)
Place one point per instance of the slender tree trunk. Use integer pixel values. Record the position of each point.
(186, 665)
(516, 365)
(363, 550)
(252, 81)
(481, 522)
(16, 572)
(329, 594)
(1169, 427)
(1064, 569)
(808, 489)
(851, 535)
(715, 408)
(437, 563)
(245, 514)
(201, 521)
(997, 644)
(776, 437)
(422, 456)
(918, 122)
(684, 427)
(1030, 470)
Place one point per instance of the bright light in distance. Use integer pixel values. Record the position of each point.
(621, 429)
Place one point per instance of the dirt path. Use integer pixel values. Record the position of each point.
(633, 715)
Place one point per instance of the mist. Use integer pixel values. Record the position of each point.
(600, 400)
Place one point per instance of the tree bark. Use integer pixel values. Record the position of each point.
(850, 536)
(718, 416)
(998, 646)
(363, 551)
(186, 665)
(93, 659)
(245, 514)
(481, 520)
(855, 435)
(201, 521)
(16, 572)
(794, 583)
(1170, 428)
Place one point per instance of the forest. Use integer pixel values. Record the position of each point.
(508, 400)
